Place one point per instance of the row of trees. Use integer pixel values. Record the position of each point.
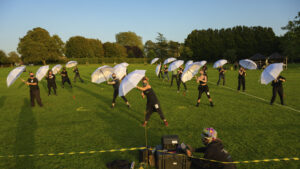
(9, 59)
(232, 44)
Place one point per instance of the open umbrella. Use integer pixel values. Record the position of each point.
(176, 64)
(124, 64)
(120, 70)
(101, 74)
(130, 81)
(71, 64)
(271, 73)
(56, 69)
(41, 72)
(169, 60)
(220, 63)
(157, 70)
(188, 63)
(154, 60)
(14, 74)
(248, 64)
(203, 62)
(191, 71)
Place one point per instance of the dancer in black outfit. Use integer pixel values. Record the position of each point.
(65, 77)
(116, 83)
(153, 104)
(33, 84)
(221, 75)
(166, 72)
(51, 82)
(179, 81)
(241, 79)
(77, 75)
(277, 88)
(202, 79)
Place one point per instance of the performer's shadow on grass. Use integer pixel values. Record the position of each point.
(25, 143)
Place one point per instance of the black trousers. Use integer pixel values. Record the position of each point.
(179, 81)
(278, 90)
(35, 95)
(173, 77)
(153, 108)
(202, 89)
(241, 81)
(116, 93)
(221, 76)
(64, 80)
(77, 76)
(53, 86)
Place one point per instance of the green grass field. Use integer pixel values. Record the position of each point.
(250, 128)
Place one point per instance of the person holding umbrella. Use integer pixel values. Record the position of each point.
(241, 78)
(116, 83)
(179, 81)
(77, 75)
(32, 82)
(277, 88)
(65, 77)
(166, 72)
(221, 75)
(174, 76)
(202, 80)
(153, 104)
(50, 77)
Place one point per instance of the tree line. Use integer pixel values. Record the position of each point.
(233, 44)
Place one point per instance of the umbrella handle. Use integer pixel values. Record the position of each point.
(103, 74)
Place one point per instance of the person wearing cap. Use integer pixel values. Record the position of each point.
(221, 75)
(65, 77)
(277, 88)
(179, 81)
(213, 150)
(77, 75)
(166, 72)
(116, 83)
(202, 80)
(241, 79)
(153, 104)
(33, 84)
(51, 82)
(174, 76)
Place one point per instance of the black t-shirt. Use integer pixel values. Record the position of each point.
(277, 82)
(151, 97)
(166, 69)
(117, 84)
(34, 80)
(242, 75)
(64, 74)
(221, 71)
(180, 71)
(201, 82)
(51, 79)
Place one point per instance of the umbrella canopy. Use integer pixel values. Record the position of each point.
(203, 62)
(41, 72)
(188, 63)
(220, 63)
(124, 64)
(71, 64)
(120, 70)
(248, 64)
(101, 74)
(169, 60)
(56, 69)
(271, 73)
(191, 71)
(130, 81)
(154, 60)
(157, 70)
(176, 64)
(14, 74)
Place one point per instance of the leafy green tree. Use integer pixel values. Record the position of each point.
(161, 46)
(13, 57)
(230, 55)
(173, 49)
(3, 57)
(38, 46)
(114, 50)
(97, 47)
(129, 39)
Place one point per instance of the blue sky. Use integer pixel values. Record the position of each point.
(103, 19)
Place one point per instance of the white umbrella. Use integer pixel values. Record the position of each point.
(203, 62)
(154, 60)
(248, 64)
(41, 72)
(56, 69)
(130, 81)
(71, 64)
(169, 60)
(124, 64)
(101, 74)
(120, 71)
(14, 74)
(191, 71)
(176, 64)
(157, 70)
(220, 63)
(188, 63)
(271, 73)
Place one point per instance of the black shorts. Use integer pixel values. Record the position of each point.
(203, 89)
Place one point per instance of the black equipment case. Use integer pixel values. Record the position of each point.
(170, 142)
(172, 161)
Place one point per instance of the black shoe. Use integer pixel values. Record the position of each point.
(197, 105)
(211, 104)
(271, 103)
